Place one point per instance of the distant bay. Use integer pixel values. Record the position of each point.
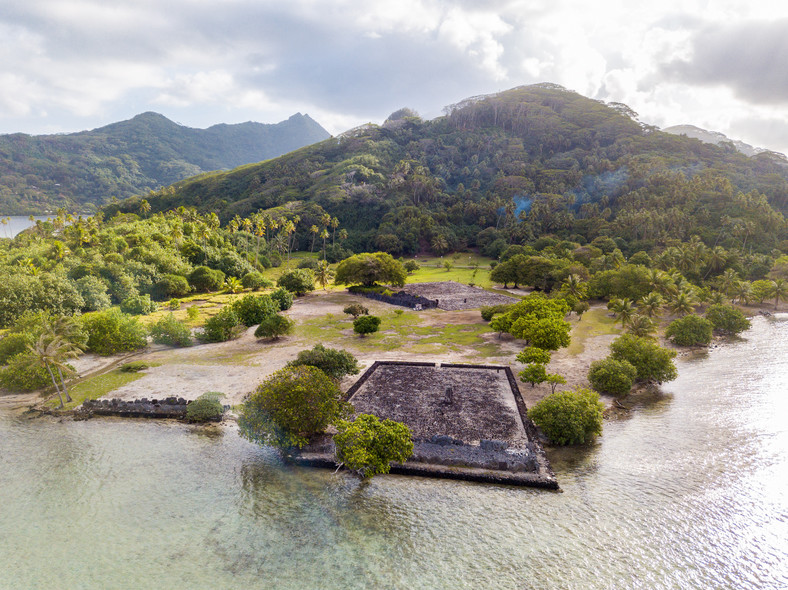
(18, 223)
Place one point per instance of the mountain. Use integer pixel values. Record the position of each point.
(81, 170)
(716, 138)
(508, 167)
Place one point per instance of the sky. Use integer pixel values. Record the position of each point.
(70, 65)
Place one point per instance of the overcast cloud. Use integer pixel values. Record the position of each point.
(67, 65)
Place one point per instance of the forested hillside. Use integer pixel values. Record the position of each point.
(83, 170)
(507, 168)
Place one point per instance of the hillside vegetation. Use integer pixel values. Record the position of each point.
(507, 168)
(82, 170)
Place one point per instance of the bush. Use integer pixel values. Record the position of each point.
(651, 361)
(274, 326)
(366, 324)
(111, 331)
(569, 417)
(253, 309)
(224, 326)
(206, 407)
(22, 373)
(611, 376)
(290, 406)
(13, 344)
(488, 311)
(310, 263)
(411, 266)
(368, 269)
(284, 298)
(691, 330)
(532, 354)
(356, 309)
(334, 363)
(298, 281)
(137, 305)
(171, 332)
(255, 281)
(337, 253)
(134, 367)
(94, 293)
(170, 286)
(204, 279)
(368, 446)
(727, 319)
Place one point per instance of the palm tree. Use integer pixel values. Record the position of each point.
(650, 304)
(728, 282)
(52, 351)
(743, 292)
(573, 285)
(323, 274)
(623, 308)
(683, 304)
(779, 290)
(324, 235)
(314, 231)
(640, 325)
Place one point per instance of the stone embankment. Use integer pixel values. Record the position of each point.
(171, 407)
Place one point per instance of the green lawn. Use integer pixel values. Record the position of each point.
(594, 322)
(95, 387)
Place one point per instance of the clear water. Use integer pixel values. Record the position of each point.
(691, 492)
(18, 223)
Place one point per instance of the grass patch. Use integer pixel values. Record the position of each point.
(432, 270)
(594, 322)
(95, 387)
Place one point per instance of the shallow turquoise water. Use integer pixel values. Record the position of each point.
(688, 493)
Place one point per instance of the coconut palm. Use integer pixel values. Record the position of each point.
(779, 291)
(323, 274)
(573, 285)
(728, 281)
(51, 351)
(623, 308)
(640, 325)
(743, 292)
(683, 303)
(650, 304)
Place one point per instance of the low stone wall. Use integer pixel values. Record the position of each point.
(402, 299)
(171, 407)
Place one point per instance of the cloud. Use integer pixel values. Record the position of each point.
(749, 57)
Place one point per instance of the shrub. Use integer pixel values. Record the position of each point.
(224, 326)
(368, 446)
(170, 286)
(111, 331)
(569, 417)
(356, 309)
(94, 293)
(691, 330)
(137, 305)
(206, 407)
(274, 326)
(368, 269)
(284, 298)
(22, 373)
(298, 281)
(255, 281)
(192, 312)
(334, 363)
(204, 279)
(13, 344)
(253, 309)
(366, 324)
(171, 332)
(134, 367)
(727, 319)
(310, 263)
(611, 376)
(290, 406)
(651, 361)
(488, 311)
(411, 266)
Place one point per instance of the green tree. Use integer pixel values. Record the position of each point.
(690, 330)
(569, 417)
(323, 274)
(641, 325)
(274, 327)
(170, 331)
(727, 319)
(549, 333)
(533, 373)
(356, 309)
(367, 269)
(779, 290)
(368, 445)
(51, 352)
(204, 279)
(366, 324)
(651, 361)
(611, 376)
(221, 327)
(291, 406)
(554, 380)
(334, 363)
(253, 309)
(298, 281)
(137, 305)
(255, 281)
(111, 331)
(283, 297)
(532, 354)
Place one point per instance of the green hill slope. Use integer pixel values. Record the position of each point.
(39, 173)
(507, 167)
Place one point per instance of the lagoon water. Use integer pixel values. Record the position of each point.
(690, 492)
(18, 223)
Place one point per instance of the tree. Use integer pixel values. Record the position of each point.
(292, 405)
(683, 303)
(221, 327)
(779, 291)
(366, 324)
(170, 286)
(533, 373)
(554, 379)
(204, 279)
(253, 309)
(137, 305)
(323, 274)
(274, 327)
(569, 417)
(641, 325)
(298, 281)
(411, 266)
(111, 331)
(612, 376)
(651, 361)
(727, 319)
(255, 281)
(334, 363)
(283, 297)
(691, 330)
(623, 308)
(356, 309)
(168, 330)
(549, 333)
(650, 304)
(51, 351)
(368, 445)
(532, 354)
(367, 269)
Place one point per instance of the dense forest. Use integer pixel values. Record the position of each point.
(508, 168)
(83, 170)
